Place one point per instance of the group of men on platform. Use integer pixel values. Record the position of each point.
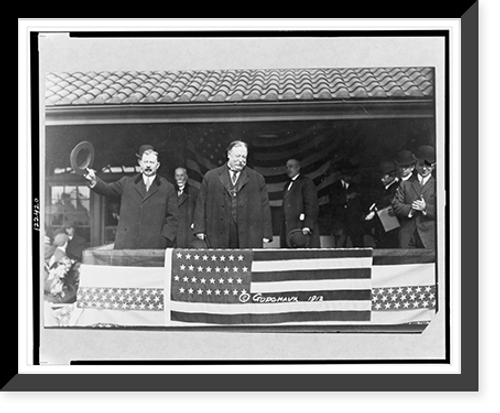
(231, 208)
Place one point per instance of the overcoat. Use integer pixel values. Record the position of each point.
(213, 212)
(346, 214)
(186, 203)
(407, 192)
(302, 198)
(148, 219)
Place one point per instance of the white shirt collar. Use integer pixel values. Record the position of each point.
(233, 170)
(423, 180)
(149, 179)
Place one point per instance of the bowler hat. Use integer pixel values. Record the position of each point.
(297, 239)
(75, 157)
(387, 167)
(427, 154)
(405, 158)
(142, 149)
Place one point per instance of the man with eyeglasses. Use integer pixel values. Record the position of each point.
(415, 203)
(232, 210)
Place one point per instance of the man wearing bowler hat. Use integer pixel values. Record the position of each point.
(405, 160)
(148, 211)
(346, 208)
(415, 203)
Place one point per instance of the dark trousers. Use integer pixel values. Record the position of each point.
(386, 239)
(415, 241)
(233, 235)
(342, 241)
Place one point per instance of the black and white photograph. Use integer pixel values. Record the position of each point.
(244, 198)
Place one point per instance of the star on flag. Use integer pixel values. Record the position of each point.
(231, 273)
(409, 297)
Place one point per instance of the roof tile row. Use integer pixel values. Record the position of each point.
(120, 87)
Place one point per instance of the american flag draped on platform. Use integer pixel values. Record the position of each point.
(267, 287)
(258, 287)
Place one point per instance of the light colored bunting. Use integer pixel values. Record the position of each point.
(258, 287)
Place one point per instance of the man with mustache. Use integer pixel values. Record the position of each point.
(415, 203)
(232, 210)
(148, 211)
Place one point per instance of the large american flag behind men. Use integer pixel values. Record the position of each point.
(317, 148)
(257, 287)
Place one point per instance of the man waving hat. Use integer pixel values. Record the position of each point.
(148, 212)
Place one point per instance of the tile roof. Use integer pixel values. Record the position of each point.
(229, 86)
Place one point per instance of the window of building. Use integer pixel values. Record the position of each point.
(69, 205)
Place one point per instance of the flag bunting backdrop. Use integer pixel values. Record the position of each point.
(315, 148)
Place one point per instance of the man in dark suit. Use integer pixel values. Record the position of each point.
(381, 198)
(148, 211)
(300, 207)
(232, 210)
(415, 204)
(186, 202)
(346, 208)
(405, 160)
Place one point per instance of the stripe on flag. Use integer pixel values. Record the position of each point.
(315, 146)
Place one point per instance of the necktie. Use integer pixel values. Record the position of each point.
(421, 181)
(148, 184)
(234, 176)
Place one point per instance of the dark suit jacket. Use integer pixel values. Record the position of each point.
(213, 213)
(302, 198)
(147, 219)
(347, 214)
(186, 204)
(409, 191)
(75, 247)
(383, 197)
